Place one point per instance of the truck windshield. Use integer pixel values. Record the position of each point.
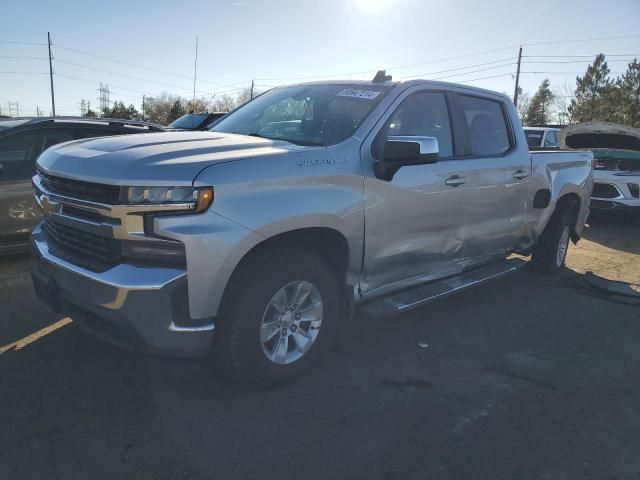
(305, 115)
(534, 137)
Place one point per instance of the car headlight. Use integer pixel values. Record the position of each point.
(196, 199)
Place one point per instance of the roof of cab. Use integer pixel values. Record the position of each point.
(404, 84)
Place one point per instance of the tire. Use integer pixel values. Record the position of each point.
(255, 300)
(550, 252)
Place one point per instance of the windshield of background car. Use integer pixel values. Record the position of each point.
(534, 137)
(189, 121)
(305, 115)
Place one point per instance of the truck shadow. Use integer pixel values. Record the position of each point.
(617, 232)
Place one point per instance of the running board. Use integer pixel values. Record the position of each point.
(418, 296)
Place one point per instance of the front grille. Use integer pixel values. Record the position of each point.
(88, 250)
(634, 189)
(92, 192)
(605, 190)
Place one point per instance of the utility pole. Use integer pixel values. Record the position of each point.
(143, 97)
(251, 94)
(195, 72)
(53, 100)
(515, 94)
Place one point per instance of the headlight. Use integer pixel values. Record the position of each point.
(197, 198)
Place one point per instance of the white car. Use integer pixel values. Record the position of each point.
(616, 151)
(617, 179)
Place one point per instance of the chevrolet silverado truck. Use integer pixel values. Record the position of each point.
(259, 239)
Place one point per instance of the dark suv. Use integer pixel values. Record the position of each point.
(21, 142)
(196, 121)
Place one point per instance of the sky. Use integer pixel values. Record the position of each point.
(146, 47)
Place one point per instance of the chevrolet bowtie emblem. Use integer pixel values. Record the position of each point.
(49, 206)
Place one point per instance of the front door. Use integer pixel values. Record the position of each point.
(414, 221)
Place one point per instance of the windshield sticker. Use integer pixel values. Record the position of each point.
(357, 93)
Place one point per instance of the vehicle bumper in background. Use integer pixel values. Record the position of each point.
(617, 204)
(136, 307)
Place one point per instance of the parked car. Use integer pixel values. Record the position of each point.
(21, 141)
(196, 121)
(617, 163)
(252, 236)
(542, 137)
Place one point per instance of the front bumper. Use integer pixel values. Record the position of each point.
(622, 204)
(136, 307)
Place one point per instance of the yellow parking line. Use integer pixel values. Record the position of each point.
(23, 342)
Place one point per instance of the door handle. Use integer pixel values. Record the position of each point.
(455, 181)
(520, 174)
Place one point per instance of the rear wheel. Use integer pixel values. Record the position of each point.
(550, 253)
(280, 313)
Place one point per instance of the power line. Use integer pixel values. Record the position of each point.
(123, 75)
(567, 73)
(562, 42)
(575, 61)
(485, 78)
(475, 71)
(583, 56)
(25, 73)
(21, 43)
(135, 66)
(22, 58)
(467, 67)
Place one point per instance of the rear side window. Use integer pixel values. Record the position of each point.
(550, 139)
(488, 131)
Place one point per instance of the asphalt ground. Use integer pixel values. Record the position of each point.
(526, 377)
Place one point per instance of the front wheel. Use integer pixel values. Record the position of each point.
(550, 253)
(280, 313)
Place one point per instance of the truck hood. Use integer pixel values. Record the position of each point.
(166, 158)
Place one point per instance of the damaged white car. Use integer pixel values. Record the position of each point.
(616, 149)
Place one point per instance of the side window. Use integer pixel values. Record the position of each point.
(550, 139)
(15, 156)
(488, 131)
(422, 114)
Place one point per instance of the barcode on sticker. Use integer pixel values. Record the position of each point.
(357, 93)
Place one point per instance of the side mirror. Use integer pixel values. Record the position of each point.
(410, 150)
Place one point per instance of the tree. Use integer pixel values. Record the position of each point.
(630, 93)
(176, 111)
(223, 103)
(119, 110)
(523, 103)
(158, 109)
(541, 105)
(198, 106)
(591, 91)
(562, 98)
(245, 95)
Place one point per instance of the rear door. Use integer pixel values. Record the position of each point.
(498, 178)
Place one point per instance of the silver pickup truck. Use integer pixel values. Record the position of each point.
(261, 237)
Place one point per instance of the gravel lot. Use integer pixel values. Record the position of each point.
(527, 377)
